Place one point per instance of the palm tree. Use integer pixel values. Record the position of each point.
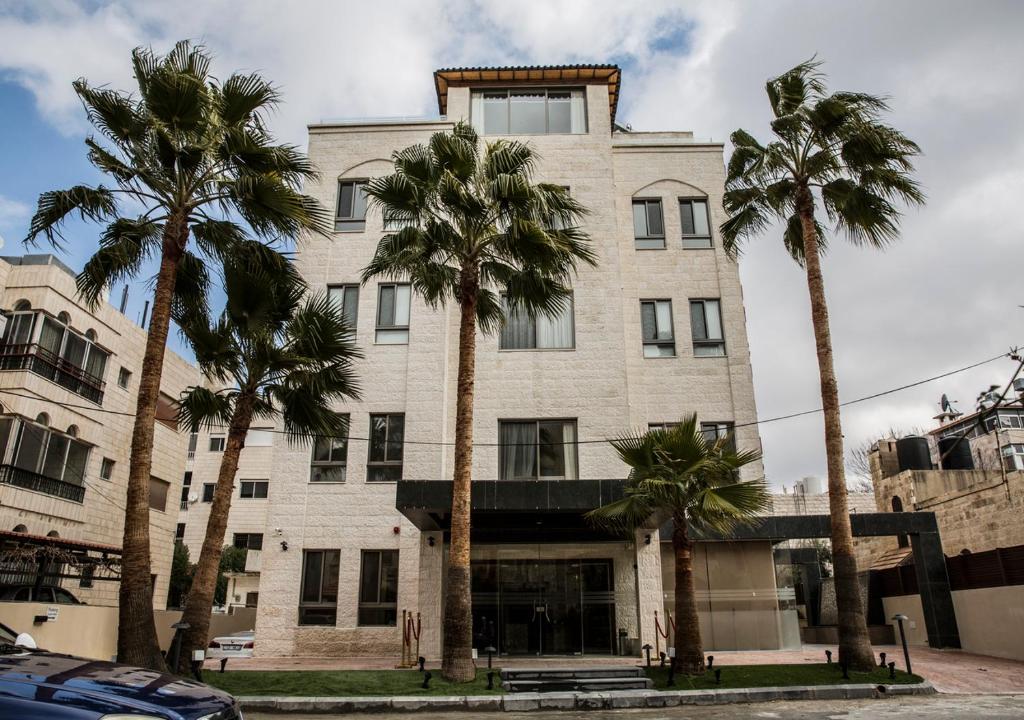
(276, 356)
(193, 158)
(831, 151)
(475, 229)
(680, 474)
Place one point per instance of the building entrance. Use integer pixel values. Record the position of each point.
(544, 607)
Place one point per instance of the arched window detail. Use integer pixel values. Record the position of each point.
(64, 317)
(53, 534)
(22, 305)
(43, 419)
(73, 430)
(20, 529)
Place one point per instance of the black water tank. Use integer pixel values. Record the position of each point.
(955, 454)
(912, 453)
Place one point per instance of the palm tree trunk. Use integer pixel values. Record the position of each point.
(199, 603)
(137, 642)
(457, 659)
(854, 642)
(689, 648)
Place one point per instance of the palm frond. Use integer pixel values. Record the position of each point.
(91, 203)
(200, 407)
(124, 246)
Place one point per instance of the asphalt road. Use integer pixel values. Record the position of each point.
(975, 707)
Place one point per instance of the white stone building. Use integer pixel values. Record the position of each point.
(355, 531)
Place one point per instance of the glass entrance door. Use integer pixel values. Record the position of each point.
(543, 607)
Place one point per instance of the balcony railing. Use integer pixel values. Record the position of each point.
(41, 361)
(10, 475)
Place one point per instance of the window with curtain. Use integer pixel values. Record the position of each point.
(648, 224)
(45, 452)
(656, 326)
(330, 459)
(347, 299)
(706, 327)
(19, 328)
(529, 111)
(693, 216)
(387, 447)
(393, 314)
(318, 595)
(537, 450)
(378, 588)
(522, 332)
(351, 211)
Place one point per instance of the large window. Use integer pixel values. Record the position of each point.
(387, 443)
(259, 437)
(529, 111)
(318, 598)
(254, 489)
(351, 212)
(657, 329)
(378, 587)
(715, 431)
(158, 494)
(1013, 456)
(706, 326)
(393, 314)
(537, 449)
(347, 299)
(693, 216)
(522, 332)
(648, 225)
(330, 459)
(248, 541)
(43, 459)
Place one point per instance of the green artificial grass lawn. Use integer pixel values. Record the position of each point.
(335, 683)
(749, 676)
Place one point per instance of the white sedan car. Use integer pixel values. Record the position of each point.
(236, 645)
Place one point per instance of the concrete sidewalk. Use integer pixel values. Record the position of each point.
(950, 671)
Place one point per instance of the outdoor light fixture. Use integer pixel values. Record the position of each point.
(892, 670)
(284, 545)
(422, 661)
(430, 540)
(882, 663)
(663, 656)
(899, 618)
(671, 672)
(647, 649)
(426, 681)
(647, 539)
(711, 661)
(828, 657)
(490, 650)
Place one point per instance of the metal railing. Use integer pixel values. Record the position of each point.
(10, 475)
(37, 359)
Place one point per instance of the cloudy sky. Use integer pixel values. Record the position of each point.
(946, 296)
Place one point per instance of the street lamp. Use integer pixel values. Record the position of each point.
(899, 618)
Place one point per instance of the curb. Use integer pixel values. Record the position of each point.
(613, 700)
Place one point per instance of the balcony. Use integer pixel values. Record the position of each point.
(42, 362)
(10, 475)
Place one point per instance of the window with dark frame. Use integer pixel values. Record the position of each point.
(695, 222)
(537, 450)
(350, 215)
(124, 377)
(522, 332)
(393, 302)
(179, 531)
(715, 431)
(43, 451)
(318, 589)
(706, 328)
(387, 447)
(330, 459)
(106, 469)
(186, 487)
(657, 328)
(648, 224)
(248, 541)
(253, 489)
(208, 489)
(217, 443)
(347, 298)
(378, 588)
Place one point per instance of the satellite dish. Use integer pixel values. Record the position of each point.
(193, 498)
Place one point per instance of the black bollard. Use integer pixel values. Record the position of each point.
(647, 649)
(844, 667)
(197, 670)
(663, 656)
(892, 670)
(718, 676)
(828, 657)
(422, 661)
(711, 661)
(223, 663)
(426, 681)
(490, 650)
(671, 672)
(490, 680)
(882, 663)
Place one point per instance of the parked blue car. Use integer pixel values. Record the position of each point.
(39, 685)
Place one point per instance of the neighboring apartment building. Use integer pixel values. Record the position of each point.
(655, 331)
(68, 382)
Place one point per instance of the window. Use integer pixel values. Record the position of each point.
(387, 443)
(529, 111)
(715, 431)
(706, 326)
(216, 443)
(330, 459)
(106, 469)
(124, 376)
(648, 225)
(351, 215)
(43, 452)
(252, 599)
(656, 327)
(537, 449)
(193, 442)
(208, 489)
(158, 494)
(179, 531)
(378, 588)
(259, 437)
(167, 411)
(318, 595)
(347, 298)
(186, 488)
(393, 314)
(693, 216)
(521, 332)
(662, 426)
(254, 489)
(1013, 456)
(248, 541)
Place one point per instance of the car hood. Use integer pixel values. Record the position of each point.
(131, 687)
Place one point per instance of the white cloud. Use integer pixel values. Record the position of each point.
(944, 296)
(12, 210)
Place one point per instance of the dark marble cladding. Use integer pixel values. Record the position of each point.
(435, 496)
